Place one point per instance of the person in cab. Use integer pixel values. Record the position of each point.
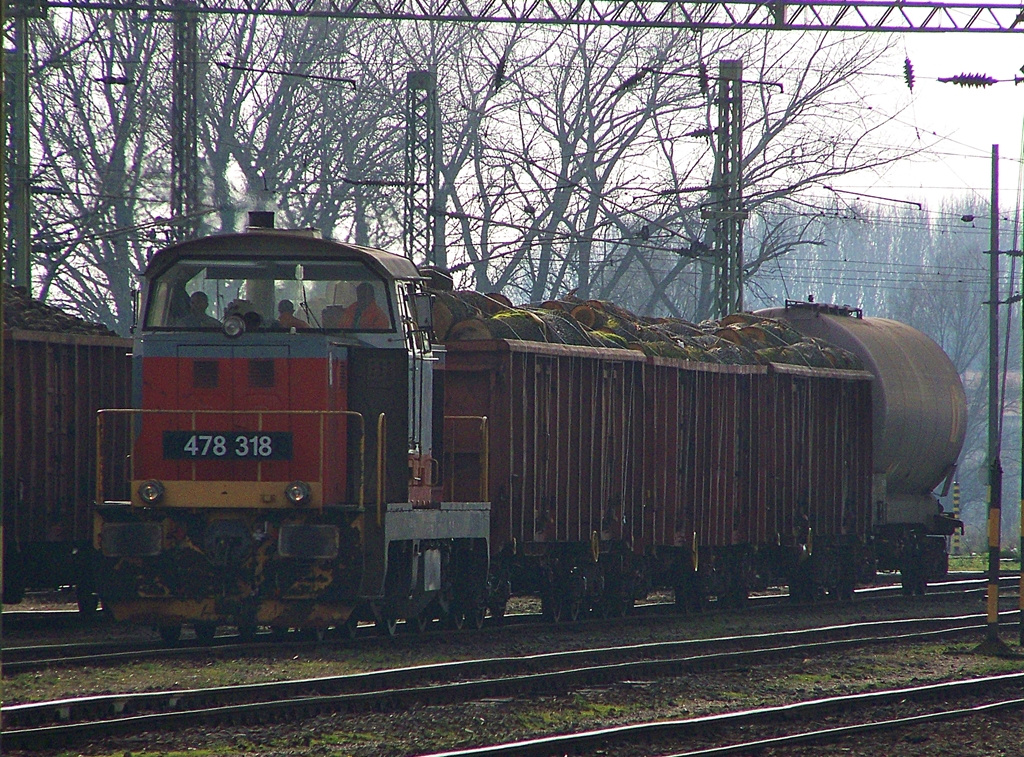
(286, 316)
(365, 313)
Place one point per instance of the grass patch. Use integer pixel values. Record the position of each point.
(979, 562)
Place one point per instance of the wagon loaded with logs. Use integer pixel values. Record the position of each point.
(738, 339)
(58, 370)
(629, 452)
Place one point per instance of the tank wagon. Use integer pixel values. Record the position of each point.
(304, 454)
(54, 381)
(920, 421)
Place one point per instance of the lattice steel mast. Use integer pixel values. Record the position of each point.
(185, 123)
(424, 220)
(825, 15)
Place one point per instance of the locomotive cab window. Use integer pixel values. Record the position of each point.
(197, 295)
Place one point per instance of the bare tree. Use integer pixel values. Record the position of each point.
(572, 158)
(101, 157)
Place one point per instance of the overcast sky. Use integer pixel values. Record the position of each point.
(969, 121)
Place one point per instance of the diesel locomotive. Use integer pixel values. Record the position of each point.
(303, 453)
(282, 475)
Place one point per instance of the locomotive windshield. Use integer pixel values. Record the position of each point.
(318, 295)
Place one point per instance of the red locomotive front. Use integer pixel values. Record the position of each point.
(281, 441)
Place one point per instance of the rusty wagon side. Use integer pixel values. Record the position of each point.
(53, 385)
(611, 472)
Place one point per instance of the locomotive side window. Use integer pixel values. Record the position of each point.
(196, 295)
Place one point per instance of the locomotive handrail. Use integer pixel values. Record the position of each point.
(100, 415)
(485, 450)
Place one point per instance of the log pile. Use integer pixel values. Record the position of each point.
(739, 339)
(23, 312)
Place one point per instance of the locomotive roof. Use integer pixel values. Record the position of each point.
(279, 244)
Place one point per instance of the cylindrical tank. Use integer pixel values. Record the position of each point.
(920, 408)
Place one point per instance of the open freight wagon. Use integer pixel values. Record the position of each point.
(611, 472)
(54, 383)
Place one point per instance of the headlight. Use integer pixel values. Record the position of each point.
(151, 492)
(234, 326)
(298, 492)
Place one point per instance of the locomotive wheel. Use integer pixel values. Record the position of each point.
(205, 632)
(247, 631)
(88, 602)
(170, 634)
(913, 584)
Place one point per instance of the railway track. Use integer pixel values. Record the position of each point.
(62, 722)
(22, 659)
(720, 734)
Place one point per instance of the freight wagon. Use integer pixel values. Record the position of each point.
(612, 472)
(54, 383)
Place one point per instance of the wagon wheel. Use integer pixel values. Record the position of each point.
(498, 612)
(205, 632)
(351, 627)
(88, 602)
(170, 634)
(387, 625)
(476, 617)
(423, 621)
(552, 608)
(279, 633)
(455, 619)
(318, 634)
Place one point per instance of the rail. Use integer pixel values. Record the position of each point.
(101, 416)
(485, 452)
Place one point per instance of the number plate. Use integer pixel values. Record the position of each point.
(227, 445)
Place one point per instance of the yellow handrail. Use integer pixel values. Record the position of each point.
(100, 433)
